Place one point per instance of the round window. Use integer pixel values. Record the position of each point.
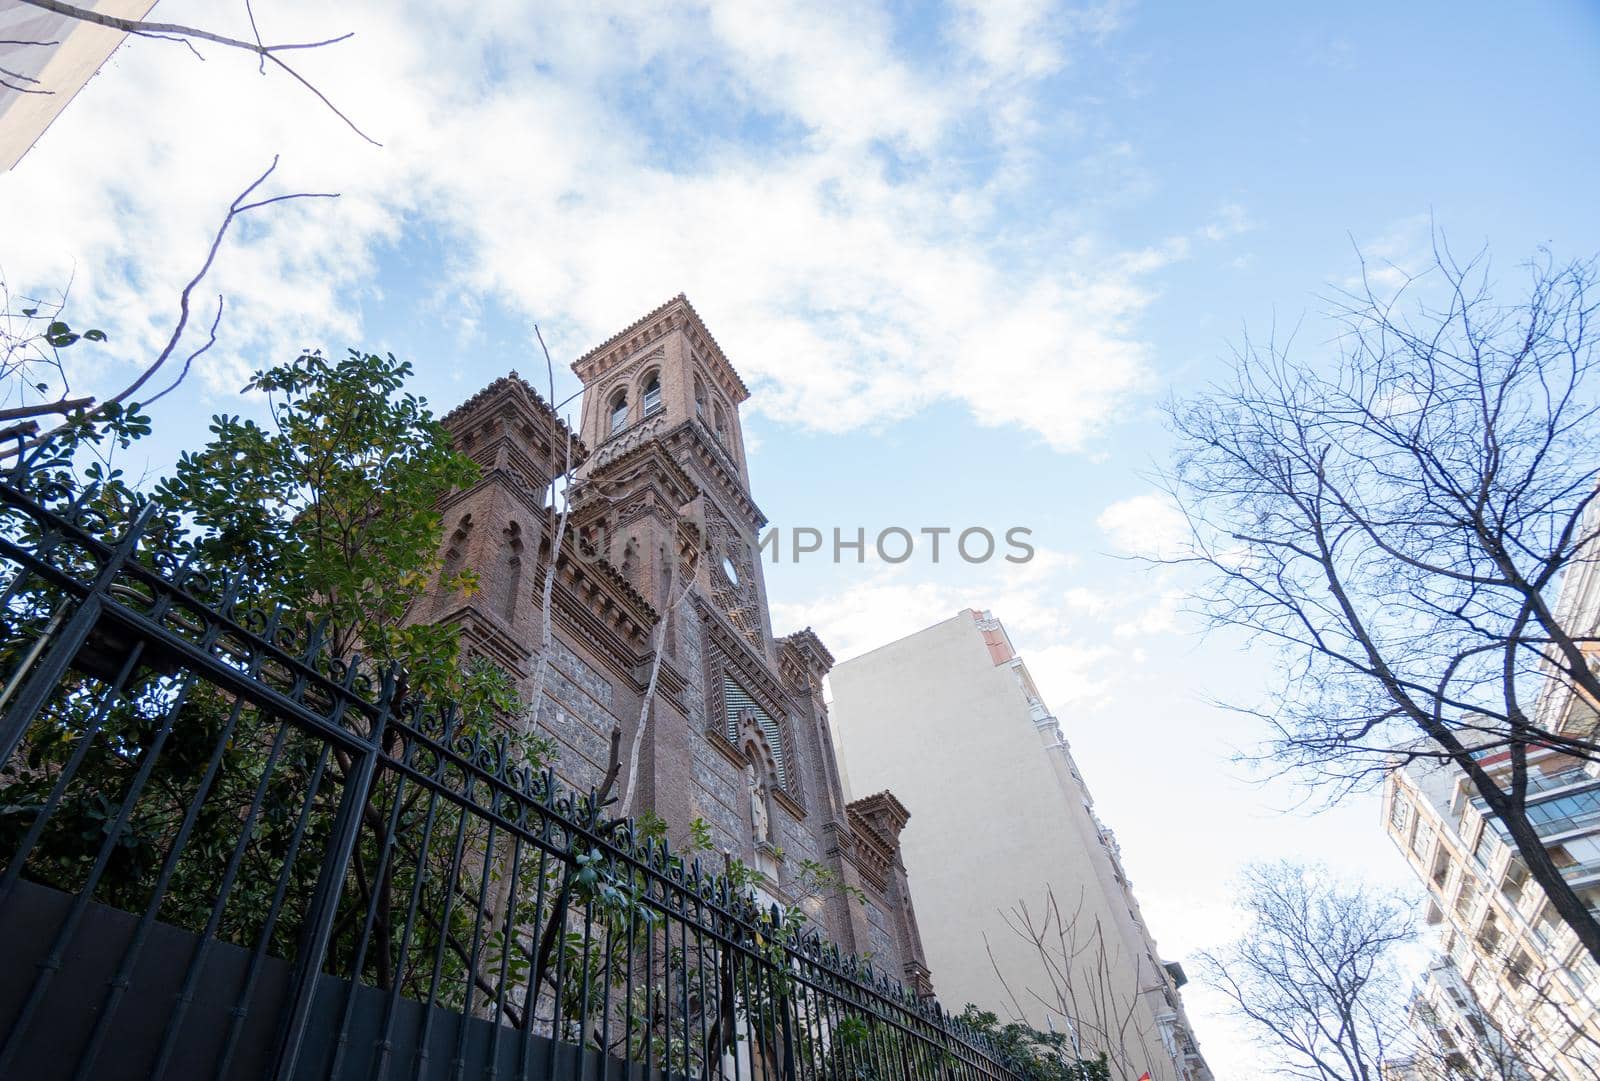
(730, 570)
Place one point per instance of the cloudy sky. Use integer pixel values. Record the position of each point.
(961, 254)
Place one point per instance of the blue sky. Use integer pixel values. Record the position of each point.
(960, 253)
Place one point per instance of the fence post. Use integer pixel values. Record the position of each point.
(69, 639)
(780, 981)
(324, 907)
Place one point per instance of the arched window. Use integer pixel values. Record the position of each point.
(699, 398)
(652, 394)
(511, 584)
(722, 421)
(619, 411)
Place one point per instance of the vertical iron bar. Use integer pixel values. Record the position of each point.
(14, 723)
(330, 884)
(530, 996)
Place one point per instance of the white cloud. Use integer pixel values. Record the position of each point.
(1148, 525)
(564, 166)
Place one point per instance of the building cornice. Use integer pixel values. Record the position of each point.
(696, 439)
(675, 314)
(512, 389)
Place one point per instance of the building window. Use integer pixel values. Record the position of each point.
(1548, 926)
(1483, 847)
(619, 411)
(699, 398)
(1441, 867)
(736, 702)
(721, 421)
(652, 394)
(1399, 814)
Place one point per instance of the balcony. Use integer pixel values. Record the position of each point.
(1545, 782)
(1562, 824)
(1582, 874)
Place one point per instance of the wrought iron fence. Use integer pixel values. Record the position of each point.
(230, 854)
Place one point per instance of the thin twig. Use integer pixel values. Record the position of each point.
(189, 34)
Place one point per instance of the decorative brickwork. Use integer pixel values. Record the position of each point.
(662, 496)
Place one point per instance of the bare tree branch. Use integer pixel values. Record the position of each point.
(189, 34)
(1397, 522)
(86, 409)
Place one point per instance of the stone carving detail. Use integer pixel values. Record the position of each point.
(760, 820)
(630, 438)
(733, 589)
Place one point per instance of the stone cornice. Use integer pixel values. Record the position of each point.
(513, 390)
(809, 648)
(486, 631)
(675, 314)
(882, 808)
(697, 440)
(627, 440)
(873, 857)
(616, 654)
(876, 821)
(651, 454)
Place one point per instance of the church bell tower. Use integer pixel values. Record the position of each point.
(660, 408)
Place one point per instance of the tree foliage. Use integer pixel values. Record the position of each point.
(1034, 1055)
(331, 508)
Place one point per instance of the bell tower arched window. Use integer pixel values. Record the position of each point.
(721, 421)
(652, 394)
(619, 411)
(699, 398)
(511, 585)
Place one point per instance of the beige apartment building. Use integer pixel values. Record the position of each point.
(950, 719)
(1523, 967)
(1456, 1038)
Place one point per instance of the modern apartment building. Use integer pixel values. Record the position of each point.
(950, 719)
(1524, 968)
(1456, 1036)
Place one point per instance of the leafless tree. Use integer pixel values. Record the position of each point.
(35, 380)
(558, 509)
(1397, 521)
(1315, 971)
(1082, 985)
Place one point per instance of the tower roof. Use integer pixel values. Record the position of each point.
(675, 314)
(514, 388)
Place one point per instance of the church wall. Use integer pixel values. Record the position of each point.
(578, 712)
(881, 944)
(656, 488)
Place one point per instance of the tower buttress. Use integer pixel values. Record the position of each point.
(496, 527)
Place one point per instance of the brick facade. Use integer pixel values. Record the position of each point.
(663, 526)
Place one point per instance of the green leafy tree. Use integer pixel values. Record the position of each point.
(1034, 1055)
(332, 508)
(329, 513)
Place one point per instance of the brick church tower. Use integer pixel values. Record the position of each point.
(663, 527)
